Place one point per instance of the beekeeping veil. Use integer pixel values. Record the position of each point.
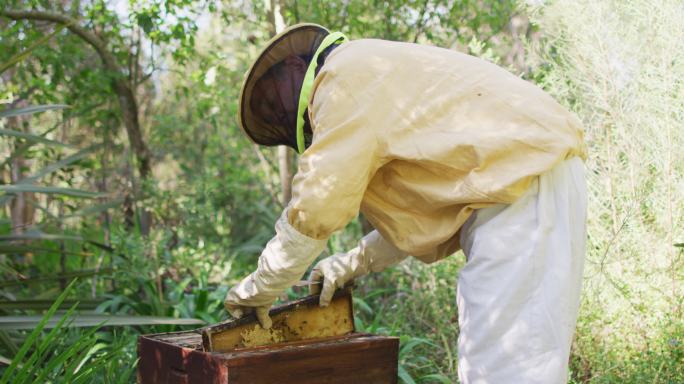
(270, 105)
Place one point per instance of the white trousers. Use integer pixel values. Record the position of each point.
(519, 292)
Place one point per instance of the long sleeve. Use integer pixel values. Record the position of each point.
(332, 178)
(335, 170)
(282, 262)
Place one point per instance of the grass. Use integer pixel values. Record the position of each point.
(66, 356)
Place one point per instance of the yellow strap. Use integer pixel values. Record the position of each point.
(307, 84)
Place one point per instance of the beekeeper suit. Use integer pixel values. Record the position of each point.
(441, 151)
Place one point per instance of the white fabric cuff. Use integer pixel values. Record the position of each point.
(281, 264)
(374, 254)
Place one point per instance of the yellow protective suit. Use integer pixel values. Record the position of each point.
(417, 137)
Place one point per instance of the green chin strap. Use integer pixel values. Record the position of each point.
(307, 84)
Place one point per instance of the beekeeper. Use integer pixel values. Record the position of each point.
(441, 151)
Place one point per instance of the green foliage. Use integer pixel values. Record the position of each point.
(446, 23)
(418, 303)
(59, 356)
(24, 54)
(620, 66)
(368, 320)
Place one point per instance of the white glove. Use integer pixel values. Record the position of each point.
(373, 254)
(281, 264)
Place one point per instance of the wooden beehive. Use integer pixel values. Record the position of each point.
(314, 345)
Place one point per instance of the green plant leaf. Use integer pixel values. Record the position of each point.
(4, 268)
(58, 276)
(60, 164)
(39, 304)
(412, 343)
(82, 345)
(95, 209)
(35, 360)
(31, 110)
(95, 348)
(50, 190)
(22, 249)
(107, 248)
(24, 183)
(36, 235)
(436, 377)
(33, 336)
(32, 137)
(362, 305)
(8, 343)
(91, 320)
(405, 376)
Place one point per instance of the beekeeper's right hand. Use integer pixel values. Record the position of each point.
(373, 254)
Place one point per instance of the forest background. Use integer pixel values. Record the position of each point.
(129, 195)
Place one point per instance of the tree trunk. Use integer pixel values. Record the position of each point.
(22, 212)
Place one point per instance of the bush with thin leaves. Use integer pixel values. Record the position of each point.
(620, 66)
(56, 357)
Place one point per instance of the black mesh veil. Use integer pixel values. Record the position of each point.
(268, 113)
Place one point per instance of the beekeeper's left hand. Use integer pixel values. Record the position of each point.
(281, 264)
(373, 254)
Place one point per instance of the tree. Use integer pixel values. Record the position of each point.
(115, 92)
(128, 102)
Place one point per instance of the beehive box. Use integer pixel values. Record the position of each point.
(309, 346)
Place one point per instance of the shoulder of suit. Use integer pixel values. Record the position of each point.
(375, 51)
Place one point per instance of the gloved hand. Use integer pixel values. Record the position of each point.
(281, 264)
(237, 311)
(373, 254)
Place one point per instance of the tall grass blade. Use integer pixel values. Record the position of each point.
(39, 304)
(59, 276)
(50, 190)
(125, 376)
(31, 110)
(32, 137)
(82, 344)
(438, 377)
(33, 364)
(76, 365)
(10, 271)
(91, 320)
(60, 164)
(8, 249)
(95, 209)
(407, 347)
(404, 376)
(8, 343)
(36, 235)
(34, 336)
